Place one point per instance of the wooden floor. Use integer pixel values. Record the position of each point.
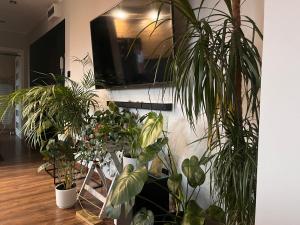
(25, 196)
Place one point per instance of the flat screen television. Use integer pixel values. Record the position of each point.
(122, 56)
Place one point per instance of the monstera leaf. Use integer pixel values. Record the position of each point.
(150, 152)
(151, 129)
(143, 217)
(128, 185)
(193, 214)
(193, 172)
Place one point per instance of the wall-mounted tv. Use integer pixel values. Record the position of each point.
(121, 60)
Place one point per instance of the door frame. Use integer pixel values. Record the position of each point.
(18, 53)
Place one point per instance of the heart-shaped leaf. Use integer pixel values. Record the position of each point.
(151, 129)
(143, 217)
(150, 151)
(129, 184)
(193, 214)
(193, 172)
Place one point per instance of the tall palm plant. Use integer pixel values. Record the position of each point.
(215, 70)
(63, 107)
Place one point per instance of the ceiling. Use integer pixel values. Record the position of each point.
(23, 16)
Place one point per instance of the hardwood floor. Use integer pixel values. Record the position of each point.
(28, 198)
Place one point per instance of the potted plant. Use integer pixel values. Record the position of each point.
(215, 72)
(64, 107)
(130, 182)
(118, 130)
(64, 152)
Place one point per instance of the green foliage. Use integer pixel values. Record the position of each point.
(174, 185)
(150, 152)
(152, 129)
(129, 184)
(62, 108)
(64, 153)
(143, 217)
(193, 172)
(215, 70)
(216, 214)
(118, 128)
(48, 111)
(193, 215)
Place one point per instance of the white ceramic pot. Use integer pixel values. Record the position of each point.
(65, 198)
(132, 161)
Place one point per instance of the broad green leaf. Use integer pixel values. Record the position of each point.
(193, 214)
(129, 184)
(143, 217)
(151, 129)
(193, 172)
(150, 151)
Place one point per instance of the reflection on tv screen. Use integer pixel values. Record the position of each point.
(122, 54)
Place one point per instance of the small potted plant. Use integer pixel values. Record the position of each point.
(63, 151)
(119, 130)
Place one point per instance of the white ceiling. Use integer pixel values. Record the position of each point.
(24, 16)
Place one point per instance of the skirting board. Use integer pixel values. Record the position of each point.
(143, 105)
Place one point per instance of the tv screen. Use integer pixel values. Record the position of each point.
(124, 57)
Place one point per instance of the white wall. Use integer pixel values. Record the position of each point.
(278, 185)
(78, 14)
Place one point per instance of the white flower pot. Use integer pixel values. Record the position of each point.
(65, 198)
(132, 161)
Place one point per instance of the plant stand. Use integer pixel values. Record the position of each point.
(86, 187)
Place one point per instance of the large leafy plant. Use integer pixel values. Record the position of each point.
(53, 110)
(215, 71)
(115, 129)
(130, 182)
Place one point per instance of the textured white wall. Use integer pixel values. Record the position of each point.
(278, 185)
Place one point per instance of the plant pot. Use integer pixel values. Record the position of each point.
(128, 160)
(65, 198)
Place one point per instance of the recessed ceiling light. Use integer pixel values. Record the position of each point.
(13, 2)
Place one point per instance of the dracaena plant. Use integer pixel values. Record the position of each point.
(130, 182)
(215, 71)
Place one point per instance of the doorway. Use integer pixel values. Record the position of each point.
(11, 78)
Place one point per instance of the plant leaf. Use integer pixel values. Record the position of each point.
(151, 129)
(143, 217)
(150, 151)
(193, 215)
(193, 172)
(129, 184)
(215, 214)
